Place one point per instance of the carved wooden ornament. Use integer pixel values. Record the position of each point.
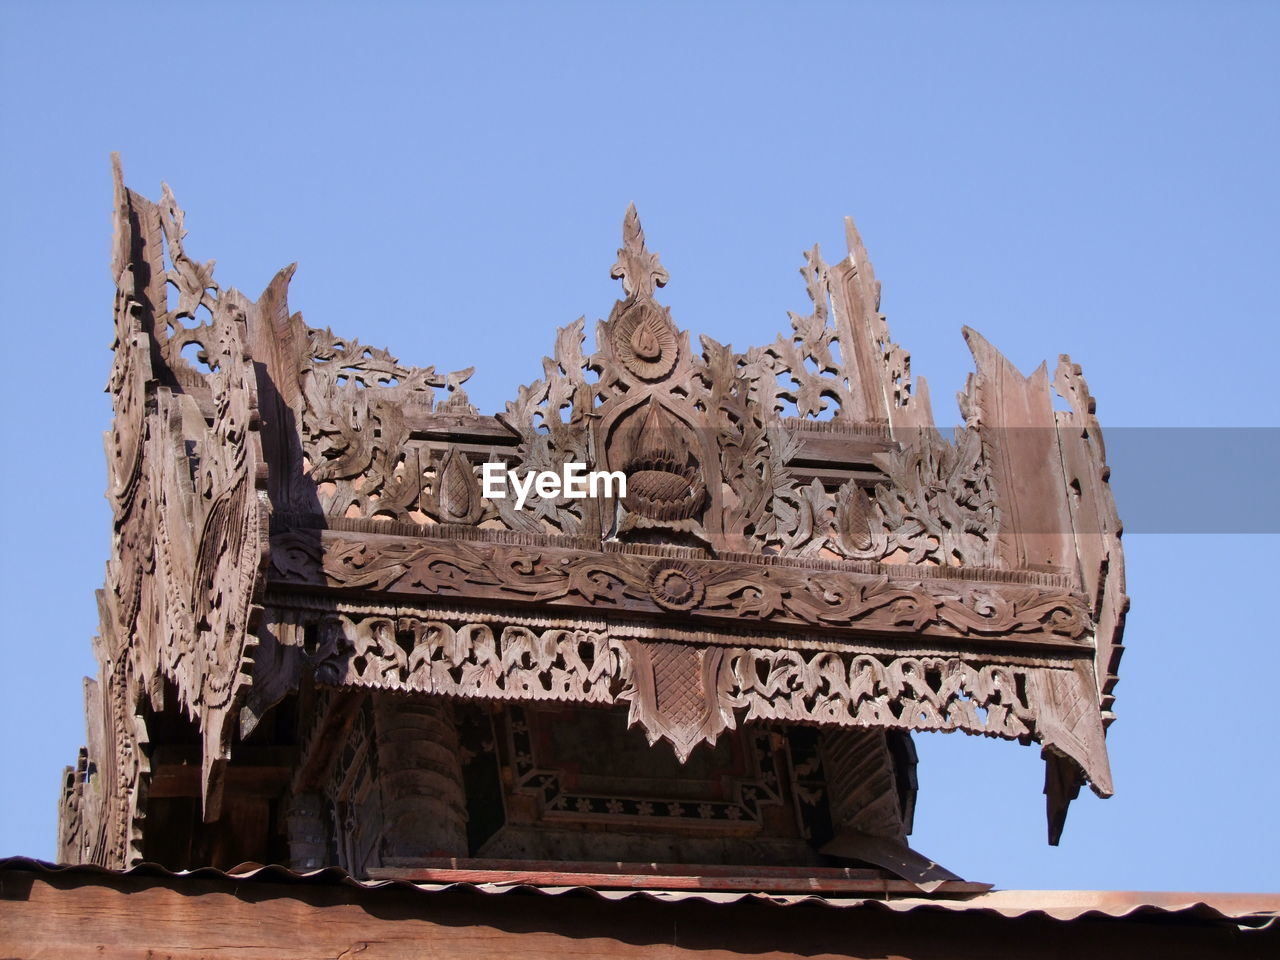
(797, 542)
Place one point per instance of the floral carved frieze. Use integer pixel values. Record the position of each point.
(821, 595)
(688, 694)
(469, 659)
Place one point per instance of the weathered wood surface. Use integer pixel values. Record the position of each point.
(198, 919)
(840, 597)
(477, 654)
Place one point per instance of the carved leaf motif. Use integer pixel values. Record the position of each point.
(193, 279)
(803, 368)
(853, 518)
(354, 429)
(838, 599)
(459, 494)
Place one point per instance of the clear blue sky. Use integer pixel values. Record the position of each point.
(1098, 179)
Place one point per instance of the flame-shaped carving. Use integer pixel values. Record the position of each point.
(637, 268)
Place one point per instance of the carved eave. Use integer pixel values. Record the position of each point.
(798, 543)
(843, 641)
(844, 601)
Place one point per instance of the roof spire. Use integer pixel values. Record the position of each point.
(637, 268)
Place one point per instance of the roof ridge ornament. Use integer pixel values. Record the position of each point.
(639, 270)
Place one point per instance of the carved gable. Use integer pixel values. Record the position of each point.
(300, 523)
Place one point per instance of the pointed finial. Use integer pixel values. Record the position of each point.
(851, 237)
(637, 268)
(859, 260)
(122, 235)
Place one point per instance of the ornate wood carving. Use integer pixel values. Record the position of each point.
(557, 801)
(797, 542)
(829, 594)
(685, 692)
(459, 658)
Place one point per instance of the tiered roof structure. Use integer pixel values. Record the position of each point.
(323, 643)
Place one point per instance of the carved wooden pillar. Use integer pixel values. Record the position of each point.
(862, 786)
(423, 799)
(308, 834)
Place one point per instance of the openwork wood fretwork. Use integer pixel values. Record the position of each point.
(309, 593)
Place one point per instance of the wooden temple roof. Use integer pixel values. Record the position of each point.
(313, 592)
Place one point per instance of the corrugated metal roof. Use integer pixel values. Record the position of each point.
(1246, 910)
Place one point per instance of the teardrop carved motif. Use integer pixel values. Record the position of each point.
(853, 518)
(458, 495)
(647, 342)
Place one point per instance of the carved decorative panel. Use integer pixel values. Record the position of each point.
(757, 783)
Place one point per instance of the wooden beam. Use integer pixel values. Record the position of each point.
(254, 772)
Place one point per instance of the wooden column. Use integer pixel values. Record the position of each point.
(308, 835)
(423, 800)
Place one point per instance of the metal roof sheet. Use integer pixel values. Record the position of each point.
(1246, 910)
